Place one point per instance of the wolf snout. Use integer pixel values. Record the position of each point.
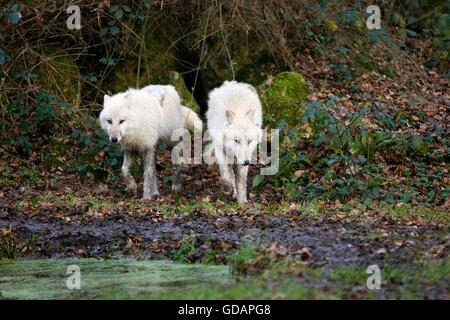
(114, 139)
(246, 162)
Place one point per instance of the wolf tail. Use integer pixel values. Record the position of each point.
(193, 122)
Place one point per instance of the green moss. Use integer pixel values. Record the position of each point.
(285, 99)
(187, 99)
(59, 74)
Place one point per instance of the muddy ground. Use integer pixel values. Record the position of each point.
(67, 217)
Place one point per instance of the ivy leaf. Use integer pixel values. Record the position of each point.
(14, 17)
(411, 33)
(3, 56)
(119, 14)
(114, 30)
(257, 180)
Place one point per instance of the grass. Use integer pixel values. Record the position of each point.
(312, 209)
(240, 259)
(187, 246)
(215, 208)
(8, 248)
(406, 210)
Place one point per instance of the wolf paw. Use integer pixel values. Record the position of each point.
(150, 196)
(145, 199)
(132, 188)
(242, 200)
(227, 187)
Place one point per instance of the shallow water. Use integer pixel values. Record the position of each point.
(104, 279)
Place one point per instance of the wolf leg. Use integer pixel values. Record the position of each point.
(225, 175)
(176, 186)
(150, 179)
(233, 179)
(128, 158)
(227, 183)
(241, 183)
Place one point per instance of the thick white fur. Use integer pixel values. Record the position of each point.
(234, 119)
(140, 119)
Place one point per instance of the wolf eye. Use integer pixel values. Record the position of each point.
(250, 141)
(121, 121)
(109, 121)
(237, 140)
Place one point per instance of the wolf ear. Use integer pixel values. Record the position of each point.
(106, 97)
(230, 115)
(252, 88)
(250, 114)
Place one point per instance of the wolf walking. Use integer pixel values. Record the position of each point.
(139, 119)
(234, 119)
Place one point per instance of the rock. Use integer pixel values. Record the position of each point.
(285, 99)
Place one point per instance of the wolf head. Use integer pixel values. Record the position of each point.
(114, 116)
(242, 135)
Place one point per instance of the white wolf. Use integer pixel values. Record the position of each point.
(234, 122)
(139, 119)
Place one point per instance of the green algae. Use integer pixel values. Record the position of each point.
(105, 279)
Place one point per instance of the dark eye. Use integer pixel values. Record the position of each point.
(236, 140)
(109, 121)
(250, 141)
(121, 121)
